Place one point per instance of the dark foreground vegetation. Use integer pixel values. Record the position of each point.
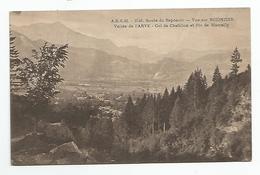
(192, 123)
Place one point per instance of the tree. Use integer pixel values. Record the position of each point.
(204, 82)
(41, 76)
(249, 72)
(157, 112)
(172, 97)
(248, 68)
(216, 76)
(166, 93)
(131, 119)
(176, 116)
(149, 116)
(164, 111)
(195, 90)
(15, 62)
(235, 59)
(140, 104)
(178, 91)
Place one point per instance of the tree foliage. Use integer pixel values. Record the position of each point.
(235, 59)
(199, 121)
(216, 76)
(41, 74)
(195, 90)
(131, 118)
(15, 62)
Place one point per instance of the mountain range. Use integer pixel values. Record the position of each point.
(98, 59)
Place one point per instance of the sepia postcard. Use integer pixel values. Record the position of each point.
(130, 86)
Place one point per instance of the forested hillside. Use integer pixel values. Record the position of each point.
(193, 123)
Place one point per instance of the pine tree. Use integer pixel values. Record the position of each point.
(249, 72)
(158, 98)
(141, 105)
(216, 76)
(157, 111)
(131, 118)
(15, 62)
(172, 98)
(14, 54)
(164, 111)
(177, 113)
(178, 91)
(172, 94)
(204, 83)
(235, 59)
(195, 90)
(165, 94)
(249, 67)
(149, 116)
(129, 106)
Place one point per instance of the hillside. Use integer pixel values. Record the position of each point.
(58, 33)
(89, 63)
(214, 125)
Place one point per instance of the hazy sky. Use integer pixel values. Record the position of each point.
(161, 40)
